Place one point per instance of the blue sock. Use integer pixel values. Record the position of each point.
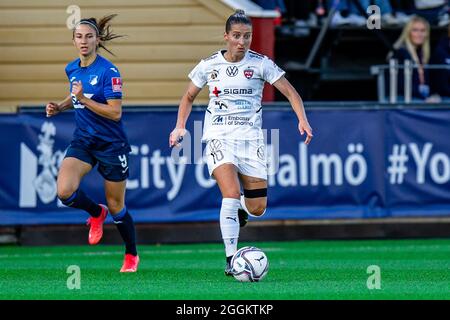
(125, 224)
(80, 200)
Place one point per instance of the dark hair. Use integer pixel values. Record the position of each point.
(238, 16)
(102, 29)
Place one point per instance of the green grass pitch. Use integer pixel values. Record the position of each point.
(409, 269)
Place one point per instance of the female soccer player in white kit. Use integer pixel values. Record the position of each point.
(232, 131)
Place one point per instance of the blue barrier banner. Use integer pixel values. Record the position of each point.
(362, 163)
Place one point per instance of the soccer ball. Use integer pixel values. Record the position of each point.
(249, 264)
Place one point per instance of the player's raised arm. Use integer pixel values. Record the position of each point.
(112, 109)
(184, 111)
(285, 87)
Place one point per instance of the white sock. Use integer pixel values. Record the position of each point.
(229, 224)
(243, 206)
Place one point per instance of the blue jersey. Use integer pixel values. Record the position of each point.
(101, 82)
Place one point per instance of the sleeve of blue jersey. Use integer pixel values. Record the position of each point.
(111, 90)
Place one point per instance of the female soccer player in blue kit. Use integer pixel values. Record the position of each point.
(99, 137)
(232, 131)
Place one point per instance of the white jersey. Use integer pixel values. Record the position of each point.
(235, 91)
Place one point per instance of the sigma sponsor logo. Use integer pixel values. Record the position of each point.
(35, 184)
(243, 104)
(237, 91)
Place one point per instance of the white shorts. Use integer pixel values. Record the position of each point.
(249, 156)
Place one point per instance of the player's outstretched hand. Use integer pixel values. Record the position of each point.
(176, 136)
(305, 127)
(51, 109)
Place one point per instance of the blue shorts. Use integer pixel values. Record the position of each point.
(112, 167)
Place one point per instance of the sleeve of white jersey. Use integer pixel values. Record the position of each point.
(271, 72)
(198, 75)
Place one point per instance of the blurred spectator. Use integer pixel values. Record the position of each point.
(309, 13)
(304, 13)
(277, 5)
(401, 9)
(353, 12)
(406, 6)
(347, 13)
(440, 79)
(414, 45)
(435, 11)
(272, 5)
